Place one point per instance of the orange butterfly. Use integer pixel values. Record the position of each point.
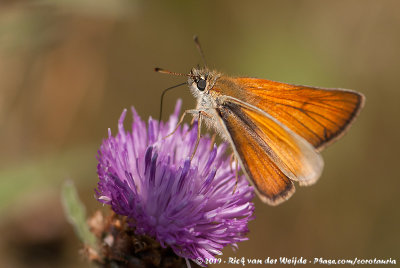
(276, 130)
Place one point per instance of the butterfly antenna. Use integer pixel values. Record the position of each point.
(197, 42)
(159, 70)
(162, 98)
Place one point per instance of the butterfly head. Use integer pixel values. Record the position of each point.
(201, 80)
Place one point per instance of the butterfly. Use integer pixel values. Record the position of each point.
(276, 130)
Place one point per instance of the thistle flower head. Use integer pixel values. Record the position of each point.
(188, 205)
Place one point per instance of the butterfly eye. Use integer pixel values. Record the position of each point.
(201, 85)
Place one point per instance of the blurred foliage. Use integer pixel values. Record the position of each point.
(68, 68)
(49, 171)
(75, 212)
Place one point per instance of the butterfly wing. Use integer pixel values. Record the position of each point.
(318, 115)
(271, 154)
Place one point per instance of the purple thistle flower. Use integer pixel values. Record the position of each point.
(186, 204)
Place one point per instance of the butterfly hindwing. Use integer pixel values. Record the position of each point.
(271, 154)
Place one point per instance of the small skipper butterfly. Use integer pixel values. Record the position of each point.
(276, 130)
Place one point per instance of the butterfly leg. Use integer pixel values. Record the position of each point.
(181, 120)
(192, 121)
(212, 141)
(191, 124)
(198, 135)
(200, 114)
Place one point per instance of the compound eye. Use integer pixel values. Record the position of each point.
(201, 85)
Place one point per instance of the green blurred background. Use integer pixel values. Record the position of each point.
(68, 68)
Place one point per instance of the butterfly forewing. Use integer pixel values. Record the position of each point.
(318, 115)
